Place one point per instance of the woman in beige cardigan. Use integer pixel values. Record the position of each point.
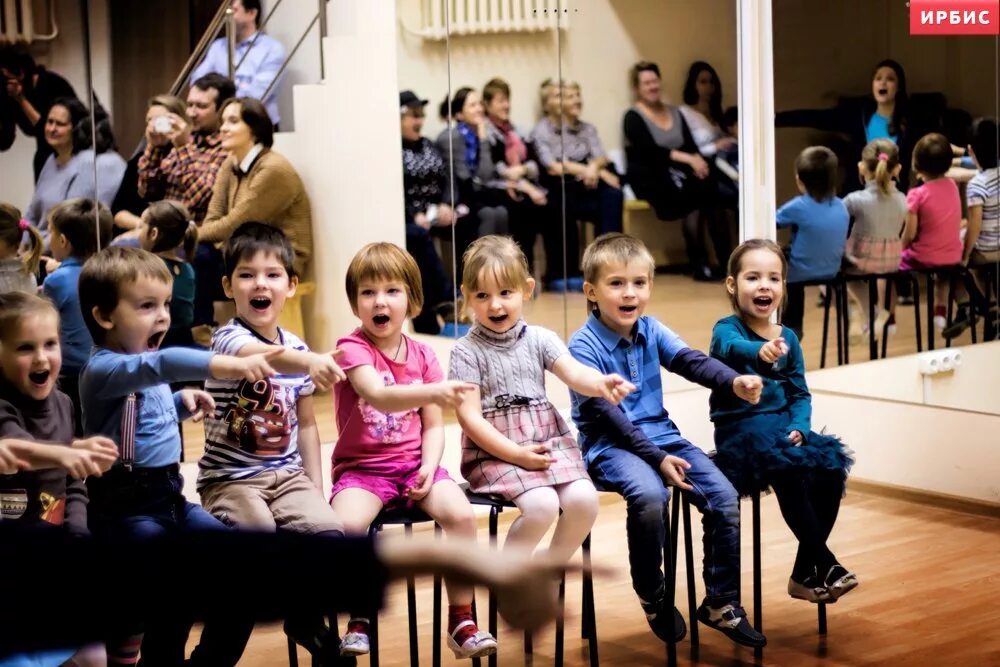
(257, 184)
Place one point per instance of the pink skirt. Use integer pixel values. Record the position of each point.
(865, 254)
(526, 425)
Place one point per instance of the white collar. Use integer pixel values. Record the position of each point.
(250, 157)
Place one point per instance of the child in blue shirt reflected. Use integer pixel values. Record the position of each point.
(772, 443)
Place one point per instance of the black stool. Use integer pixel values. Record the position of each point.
(836, 291)
(952, 274)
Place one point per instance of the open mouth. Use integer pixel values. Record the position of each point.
(627, 310)
(498, 319)
(39, 377)
(260, 303)
(380, 320)
(762, 301)
(883, 92)
(153, 342)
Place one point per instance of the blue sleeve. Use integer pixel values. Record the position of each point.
(615, 424)
(182, 412)
(796, 389)
(668, 343)
(787, 214)
(52, 287)
(731, 347)
(266, 72)
(702, 369)
(123, 374)
(212, 63)
(584, 352)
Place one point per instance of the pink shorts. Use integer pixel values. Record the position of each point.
(390, 488)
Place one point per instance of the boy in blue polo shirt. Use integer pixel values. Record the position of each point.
(636, 450)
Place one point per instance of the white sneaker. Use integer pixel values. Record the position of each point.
(479, 645)
(939, 322)
(355, 643)
(880, 320)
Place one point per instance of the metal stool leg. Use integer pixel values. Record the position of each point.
(915, 289)
(561, 623)
(436, 643)
(885, 330)
(826, 328)
(491, 612)
(951, 307)
(930, 312)
(689, 565)
(821, 620)
(589, 622)
(670, 580)
(293, 654)
(872, 298)
(839, 319)
(758, 614)
(846, 310)
(476, 662)
(411, 609)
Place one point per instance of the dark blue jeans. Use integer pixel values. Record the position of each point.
(148, 503)
(646, 496)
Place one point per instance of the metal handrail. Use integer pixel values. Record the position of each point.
(203, 44)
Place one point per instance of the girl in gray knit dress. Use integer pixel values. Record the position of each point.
(516, 445)
(17, 268)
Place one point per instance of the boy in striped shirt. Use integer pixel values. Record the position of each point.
(261, 469)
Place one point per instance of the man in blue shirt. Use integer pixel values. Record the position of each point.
(636, 449)
(257, 58)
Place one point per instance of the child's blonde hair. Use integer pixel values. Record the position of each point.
(103, 276)
(614, 248)
(12, 228)
(15, 306)
(174, 227)
(881, 157)
(498, 256)
(735, 264)
(385, 261)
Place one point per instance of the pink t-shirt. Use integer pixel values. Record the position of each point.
(369, 439)
(939, 221)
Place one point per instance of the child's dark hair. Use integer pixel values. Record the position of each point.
(816, 167)
(173, 225)
(14, 306)
(251, 238)
(933, 155)
(454, 107)
(983, 140)
(730, 117)
(691, 96)
(104, 274)
(881, 157)
(735, 264)
(84, 222)
(12, 228)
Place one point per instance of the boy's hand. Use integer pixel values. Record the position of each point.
(535, 457)
(252, 368)
(10, 463)
(796, 437)
(324, 371)
(89, 457)
(198, 403)
(450, 393)
(672, 469)
(748, 387)
(425, 480)
(614, 388)
(773, 350)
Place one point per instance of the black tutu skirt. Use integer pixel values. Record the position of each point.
(751, 449)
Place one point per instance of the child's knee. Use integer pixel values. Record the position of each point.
(647, 500)
(459, 520)
(541, 507)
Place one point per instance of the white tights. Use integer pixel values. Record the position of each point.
(540, 507)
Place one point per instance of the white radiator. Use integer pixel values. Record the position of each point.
(477, 17)
(17, 22)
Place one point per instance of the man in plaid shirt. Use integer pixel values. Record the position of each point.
(181, 163)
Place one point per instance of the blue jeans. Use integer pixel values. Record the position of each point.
(646, 496)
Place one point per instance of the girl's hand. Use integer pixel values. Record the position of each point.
(10, 463)
(610, 178)
(796, 437)
(253, 368)
(773, 350)
(450, 393)
(672, 469)
(614, 388)
(104, 449)
(535, 457)
(324, 371)
(425, 479)
(748, 387)
(199, 403)
(699, 166)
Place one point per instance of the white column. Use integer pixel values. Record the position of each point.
(346, 147)
(756, 93)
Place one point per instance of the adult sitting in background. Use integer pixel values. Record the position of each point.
(110, 165)
(69, 170)
(258, 58)
(515, 172)
(257, 183)
(128, 204)
(471, 168)
(29, 93)
(183, 155)
(574, 161)
(666, 169)
(702, 109)
(425, 182)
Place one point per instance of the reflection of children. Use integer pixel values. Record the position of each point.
(32, 409)
(17, 270)
(391, 428)
(771, 443)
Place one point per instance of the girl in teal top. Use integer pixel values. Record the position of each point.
(168, 231)
(772, 443)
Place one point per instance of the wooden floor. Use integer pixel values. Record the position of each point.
(929, 578)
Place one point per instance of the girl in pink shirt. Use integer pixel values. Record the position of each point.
(391, 427)
(932, 233)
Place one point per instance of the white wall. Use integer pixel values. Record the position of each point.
(63, 55)
(289, 21)
(604, 38)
